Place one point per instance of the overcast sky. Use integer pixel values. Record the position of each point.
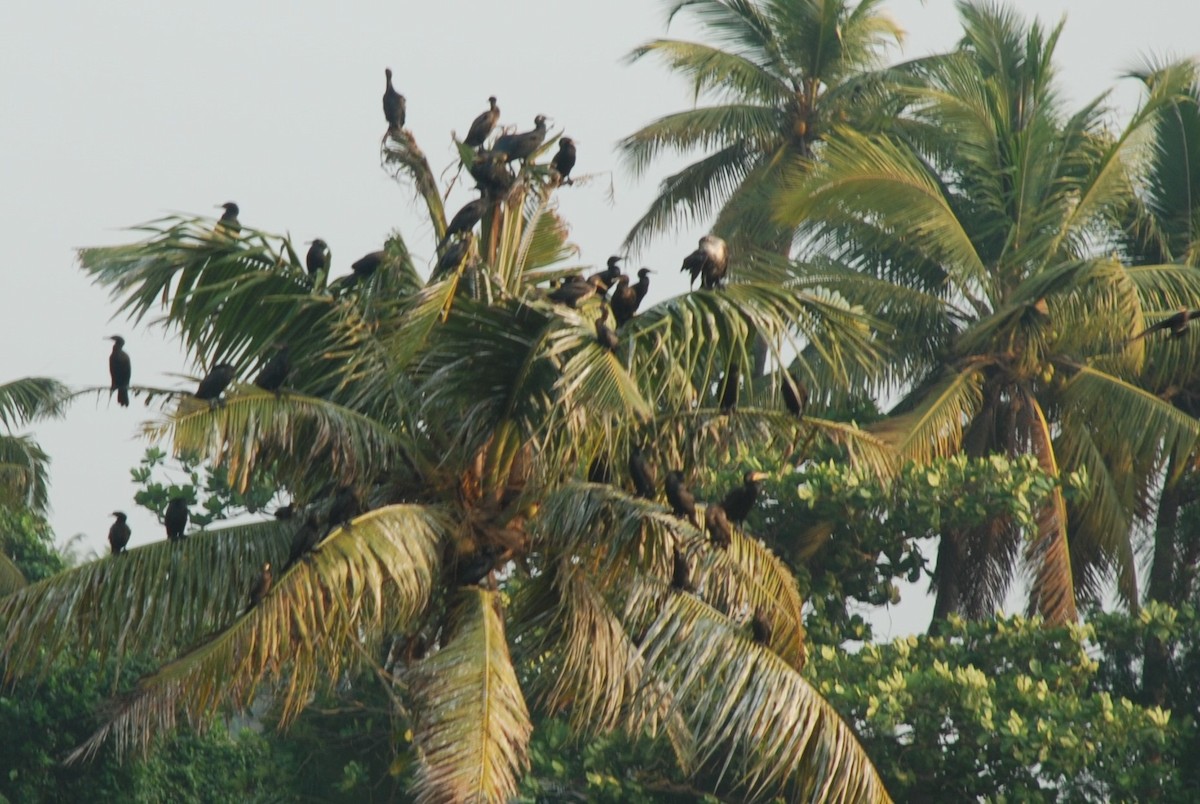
(117, 112)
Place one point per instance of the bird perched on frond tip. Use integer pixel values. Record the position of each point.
(1178, 324)
(215, 382)
(465, 219)
(709, 262)
(318, 257)
(395, 108)
(228, 222)
(119, 370)
(482, 125)
(564, 161)
(118, 534)
(522, 146)
(611, 272)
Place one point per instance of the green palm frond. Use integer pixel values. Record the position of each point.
(363, 583)
(1052, 589)
(707, 128)
(401, 152)
(710, 68)
(150, 601)
(473, 732)
(933, 417)
(11, 578)
(778, 737)
(24, 474)
(30, 398)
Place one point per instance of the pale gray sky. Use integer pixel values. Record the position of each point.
(115, 113)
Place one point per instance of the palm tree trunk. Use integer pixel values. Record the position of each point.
(946, 578)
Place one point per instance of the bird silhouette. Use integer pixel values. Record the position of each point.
(119, 370)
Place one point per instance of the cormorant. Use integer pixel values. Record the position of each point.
(465, 219)
(604, 334)
(741, 499)
(639, 472)
(683, 503)
(491, 174)
(345, 506)
(176, 518)
(317, 258)
(1178, 324)
(284, 512)
(709, 262)
(275, 372)
(394, 106)
(262, 585)
(564, 161)
(118, 534)
(681, 573)
(474, 567)
(482, 125)
(795, 396)
(119, 370)
(451, 258)
(306, 537)
(717, 523)
(215, 381)
(626, 298)
(729, 388)
(574, 290)
(760, 628)
(643, 284)
(610, 274)
(365, 266)
(521, 146)
(229, 218)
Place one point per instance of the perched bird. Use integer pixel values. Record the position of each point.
(720, 531)
(119, 370)
(683, 503)
(262, 585)
(474, 567)
(284, 512)
(760, 628)
(627, 298)
(451, 258)
(482, 125)
(1178, 324)
(709, 262)
(491, 174)
(306, 537)
(366, 266)
(741, 499)
(643, 284)
(795, 396)
(118, 534)
(215, 381)
(521, 146)
(729, 388)
(176, 518)
(599, 471)
(575, 290)
(317, 258)
(275, 372)
(564, 161)
(394, 105)
(229, 218)
(639, 472)
(610, 274)
(465, 219)
(345, 506)
(604, 334)
(681, 573)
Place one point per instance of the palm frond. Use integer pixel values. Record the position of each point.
(24, 473)
(1052, 590)
(11, 578)
(710, 68)
(754, 128)
(473, 731)
(30, 398)
(934, 416)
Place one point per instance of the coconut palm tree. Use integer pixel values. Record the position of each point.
(779, 74)
(439, 435)
(981, 226)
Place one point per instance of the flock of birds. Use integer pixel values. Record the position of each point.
(618, 293)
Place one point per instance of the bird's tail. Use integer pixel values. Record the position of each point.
(123, 397)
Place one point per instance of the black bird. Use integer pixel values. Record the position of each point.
(681, 573)
(741, 499)
(729, 388)
(709, 262)
(229, 218)
(366, 266)
(118, 534)
(465, 219)
(564, 161)
(760, 628)
(345, 506)
(394, 106)
(627, 298)
(719, 529)
(1178, 324)
(474, 567)
(604, 334)
(284, 512)
(306, 537)
(639, 472)
(683, 503)
(491, 174)
(482, 126)
(119, 370)
(215, 381)
(575, 290)
(599, 471)
(643, 284)
(176, 518)
(451, 258)
(795, 396)
(521, 146)
(610, 274)
(275, 372)
(317, 258)
(262, 585)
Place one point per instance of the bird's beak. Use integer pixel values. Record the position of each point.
(756, 476)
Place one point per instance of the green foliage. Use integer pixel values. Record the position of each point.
(26, 538)
(1008, 710)
(205, 484)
